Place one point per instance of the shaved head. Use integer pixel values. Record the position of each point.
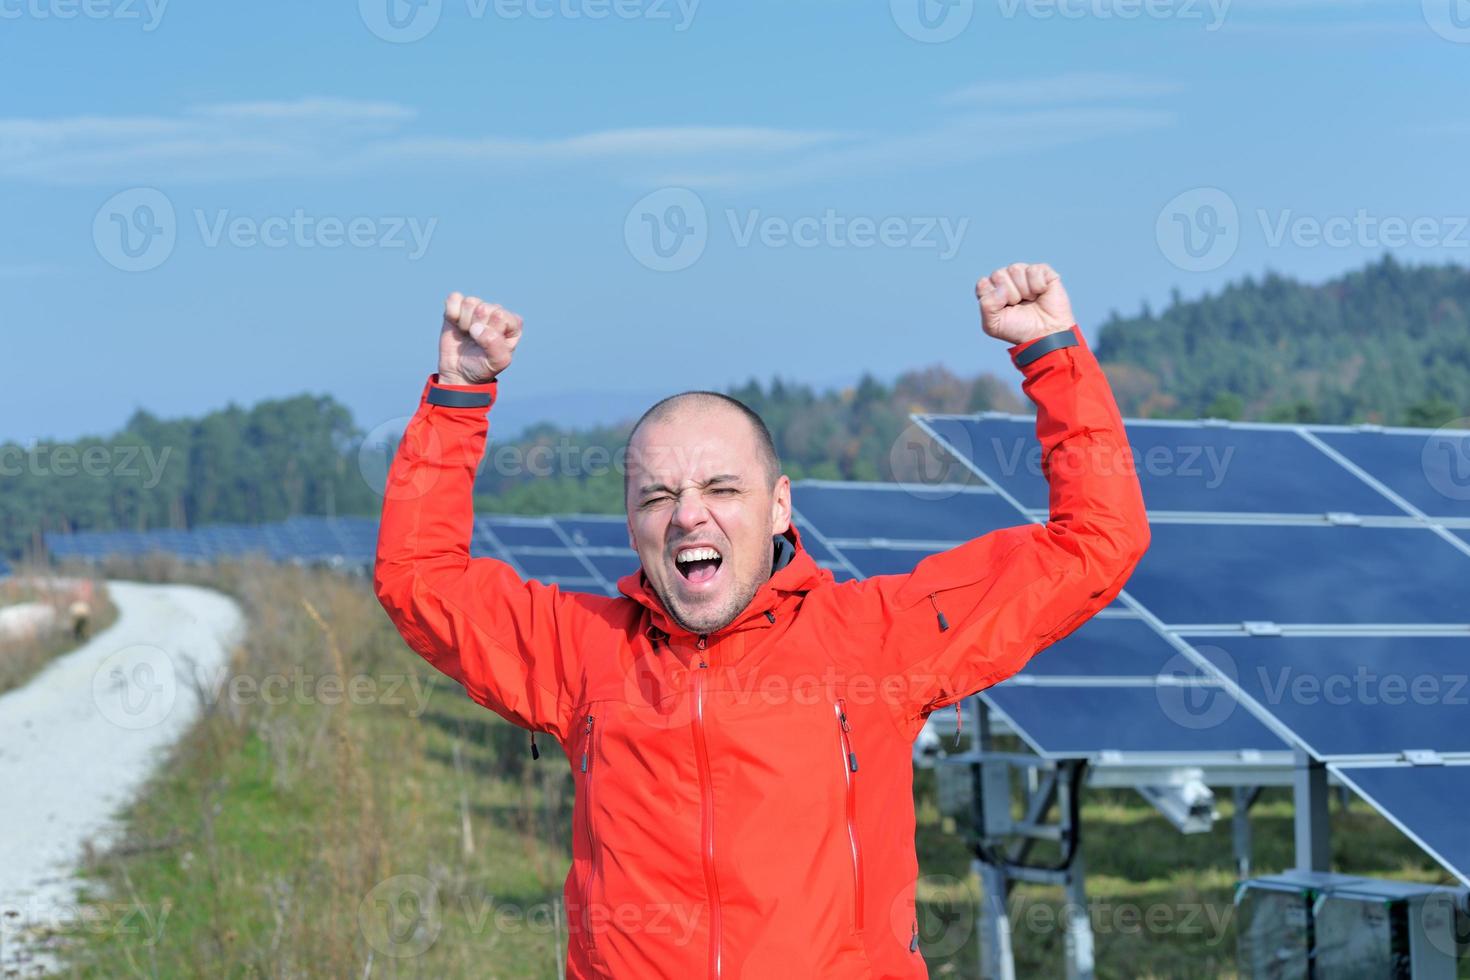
(697, 402)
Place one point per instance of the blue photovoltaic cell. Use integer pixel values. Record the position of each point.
(1356, 695)
(1182, 467)
(482, 547)
(898, 515)
(1428, 800)
(1430, 470)
(614, 567)
(550, 567)
(815, 548)
(1081, 721)
(884, 561)
(1230, 573)
(1111, 647)
(515, 535)
(593, 533)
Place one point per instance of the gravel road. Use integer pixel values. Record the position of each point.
(80, 740)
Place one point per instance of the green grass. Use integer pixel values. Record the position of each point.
(311, 839)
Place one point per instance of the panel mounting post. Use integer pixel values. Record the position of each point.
(1309, 790)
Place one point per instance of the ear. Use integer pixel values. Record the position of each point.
(632, 543)
(781, 505)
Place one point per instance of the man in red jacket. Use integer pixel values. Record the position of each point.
(739, 726)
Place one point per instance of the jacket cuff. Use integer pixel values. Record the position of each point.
(472, 397)
(1032, 351)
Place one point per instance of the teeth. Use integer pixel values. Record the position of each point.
(697, 554)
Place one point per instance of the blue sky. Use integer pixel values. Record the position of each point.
(214, 202)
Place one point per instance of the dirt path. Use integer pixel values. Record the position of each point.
(79, 741)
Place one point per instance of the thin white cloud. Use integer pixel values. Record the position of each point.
(325, 137)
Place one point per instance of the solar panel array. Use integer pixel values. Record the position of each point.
(1320, 574)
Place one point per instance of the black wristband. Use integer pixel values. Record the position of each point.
(1047, 344)
(458, 399)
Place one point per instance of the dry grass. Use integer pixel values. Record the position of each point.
(21, 658)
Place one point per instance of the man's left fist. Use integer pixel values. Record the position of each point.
(1022, 302)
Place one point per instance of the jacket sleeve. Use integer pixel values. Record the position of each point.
(472, 618)
(972, 616)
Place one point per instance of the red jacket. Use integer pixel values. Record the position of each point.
(744, 802)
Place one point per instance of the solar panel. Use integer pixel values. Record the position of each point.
(1089, 720)
(1222, 469)
(521, 534)
(885, 561)
(1229, 573)
(553, 567)
(595, 532)
(1111, 646)
(896, 512)
(1430, 469)
(615, 566)
(1401, 692)
(1427, 802)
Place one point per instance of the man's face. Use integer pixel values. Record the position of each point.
(702, 511)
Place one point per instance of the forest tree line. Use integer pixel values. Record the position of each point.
(1389, 343)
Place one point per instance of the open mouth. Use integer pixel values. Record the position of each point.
(698, 564)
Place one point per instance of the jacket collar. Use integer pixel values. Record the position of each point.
(794, 573)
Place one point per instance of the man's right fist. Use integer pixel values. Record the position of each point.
(476, 341)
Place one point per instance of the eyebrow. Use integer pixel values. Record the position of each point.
(717, 478)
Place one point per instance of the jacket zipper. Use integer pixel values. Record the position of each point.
(706, 812)
(849, 770)
(591, 836)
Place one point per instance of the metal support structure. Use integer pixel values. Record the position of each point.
(1240, 828)
(1313, 846)
(1003, 845)
(1081, 956)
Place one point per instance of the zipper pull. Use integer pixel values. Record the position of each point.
(914, 942)
(699, 645)
(959, 721)
(846, 730)
(535, 752)
(586, 742)
(943, 623)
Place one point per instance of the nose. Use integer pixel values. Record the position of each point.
(689, 511)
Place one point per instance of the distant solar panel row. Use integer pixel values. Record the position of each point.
(586, 553)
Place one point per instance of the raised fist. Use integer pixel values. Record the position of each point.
(476, 341)
(1023, 301)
